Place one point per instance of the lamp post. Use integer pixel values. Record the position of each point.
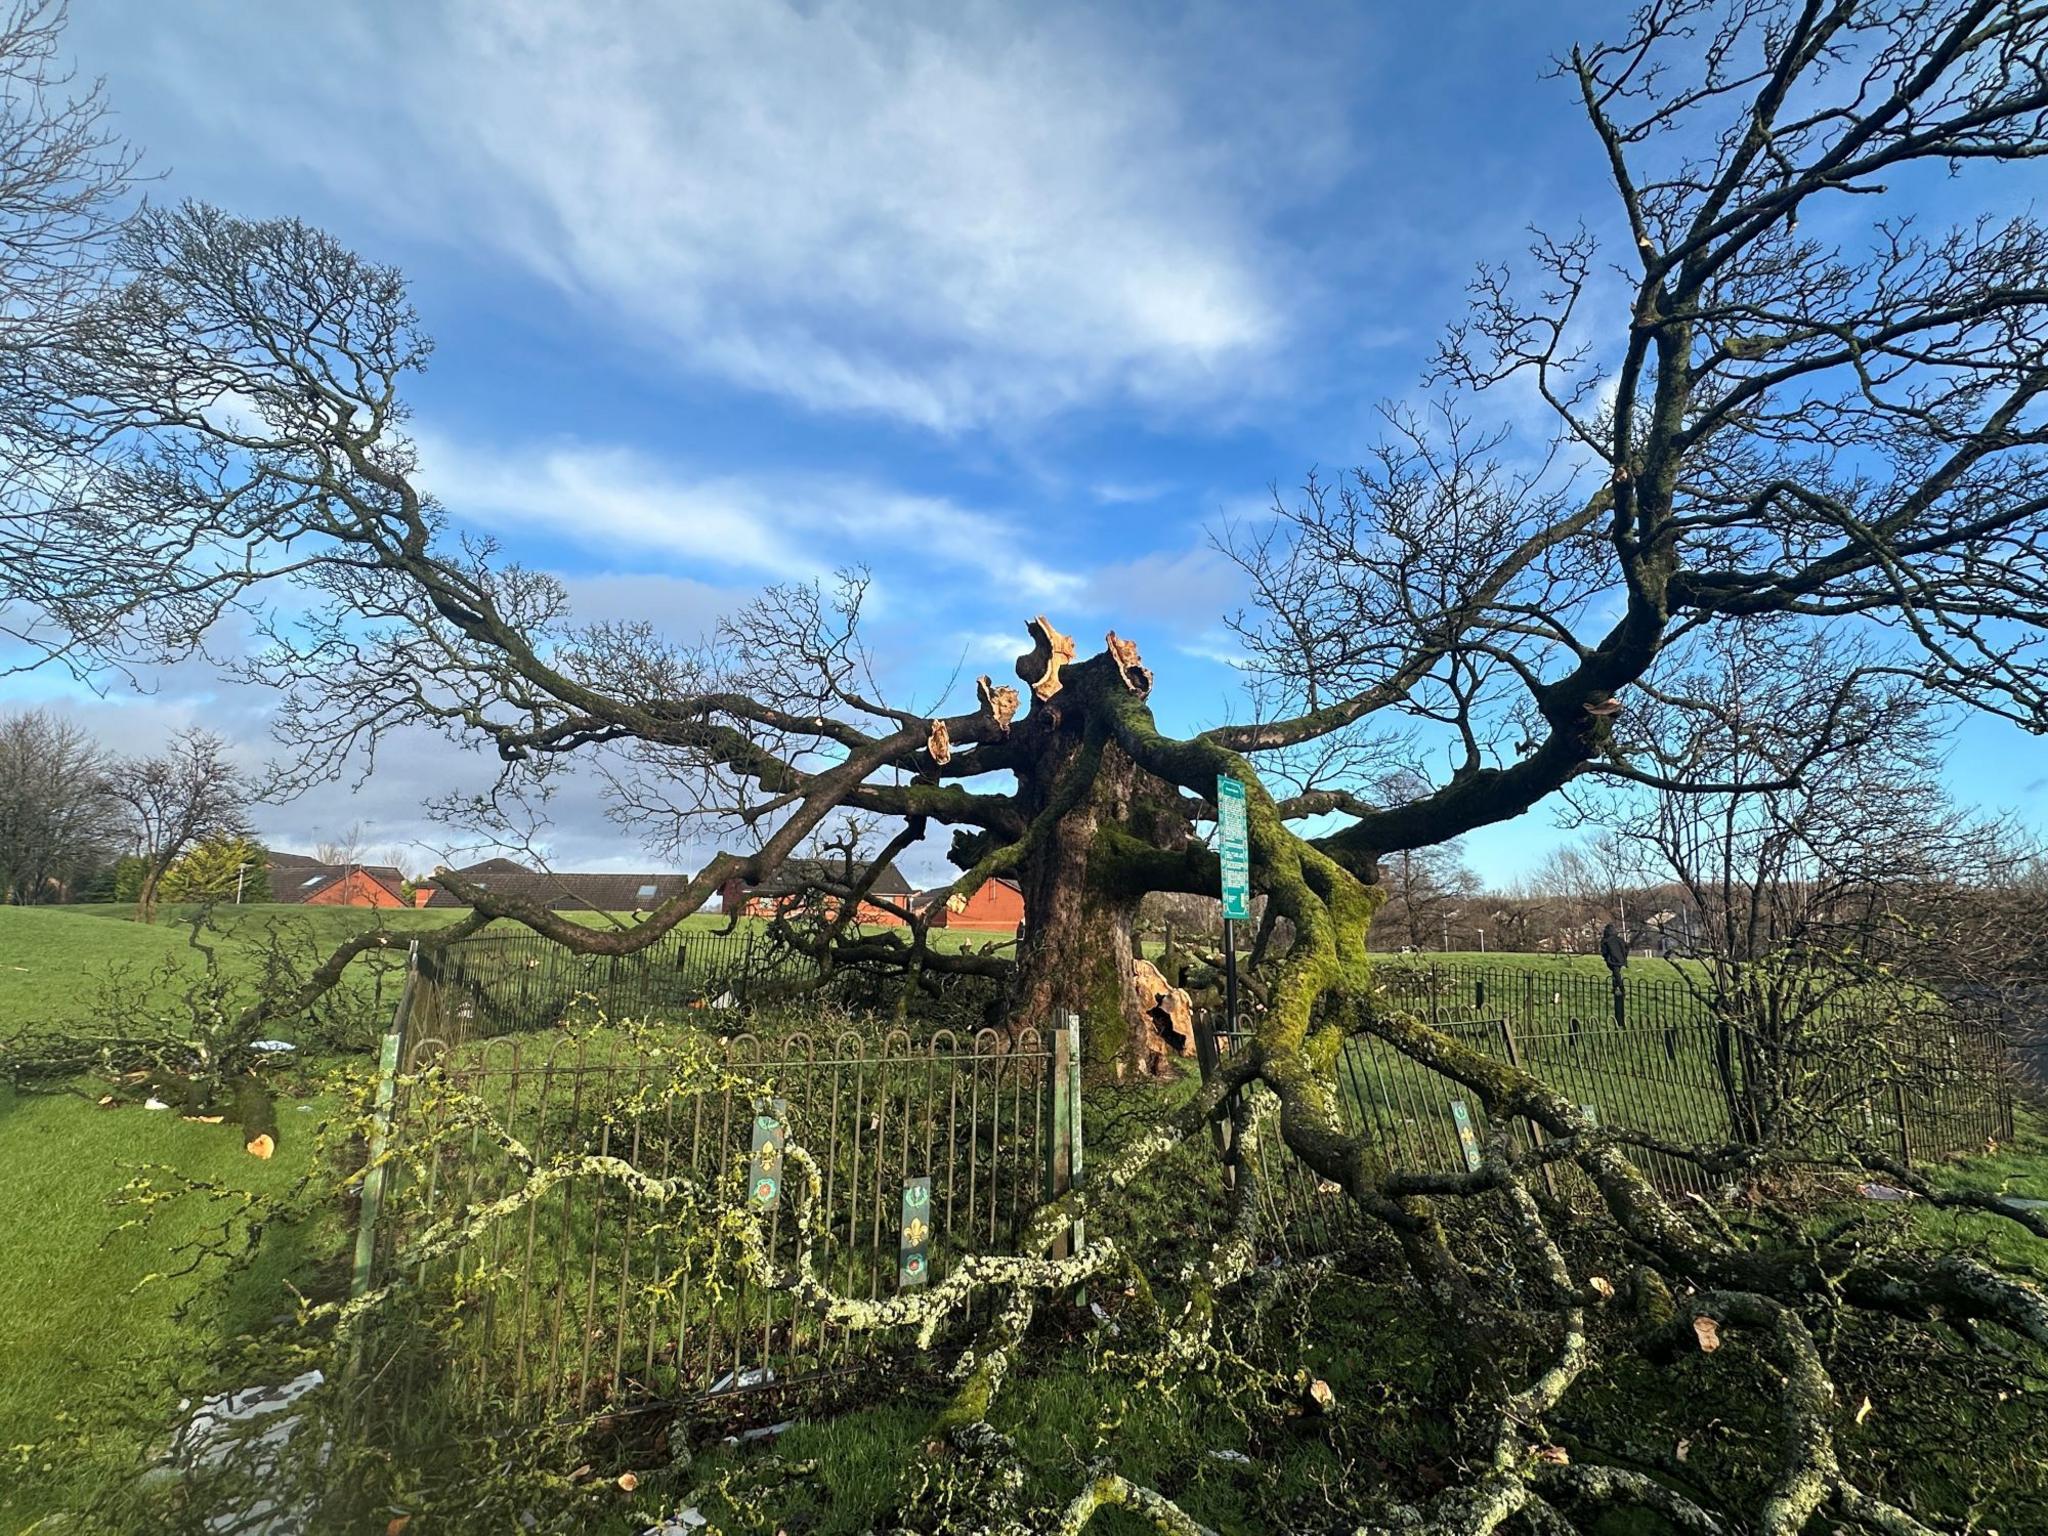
(1482, 940)
(1447, 929)
(241, 873)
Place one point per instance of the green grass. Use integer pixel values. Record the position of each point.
(96, 1351)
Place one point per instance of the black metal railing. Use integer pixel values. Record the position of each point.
(518, 980)
(1656, 1058)
(594, 1297)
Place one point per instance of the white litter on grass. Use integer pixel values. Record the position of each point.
(768, 1432)
(272, 1045)
(753, 1376)
(1883, 1192)
(215, 1437)
(205, 1440)
(681, 1523)
(1235, 1458)
(153, 1102)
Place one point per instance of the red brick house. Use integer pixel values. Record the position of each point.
(791, 884)
(301, 881)
(997, 907)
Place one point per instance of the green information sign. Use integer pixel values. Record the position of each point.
(764, 1176)
(1233, 848)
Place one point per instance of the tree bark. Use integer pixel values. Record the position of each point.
(1080, 909)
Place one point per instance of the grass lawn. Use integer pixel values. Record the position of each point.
(97, 1353)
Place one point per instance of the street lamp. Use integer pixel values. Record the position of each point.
(241, 873)
(1447, 929)
(1482, 940)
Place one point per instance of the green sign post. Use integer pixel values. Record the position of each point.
(1234, 857)
(1468, 1137)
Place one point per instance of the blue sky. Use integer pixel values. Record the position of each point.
(1011, 303)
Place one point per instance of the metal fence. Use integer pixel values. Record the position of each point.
(498, 983)
(593, 1299)
(589, 1297)
(1656, 1061)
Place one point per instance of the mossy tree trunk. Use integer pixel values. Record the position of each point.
(1080, 909)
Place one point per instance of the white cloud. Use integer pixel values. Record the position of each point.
(1174, 591)
(777, 525)
(949, 216)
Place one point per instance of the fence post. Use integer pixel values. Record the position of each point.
(1074, 1117)
(380, 1129)
(1063, 1171)
(1514, 1051)
(1899, 1109)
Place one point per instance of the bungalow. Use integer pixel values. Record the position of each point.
(558, 892)
(996, 907)
(307, 882)
(788, 885)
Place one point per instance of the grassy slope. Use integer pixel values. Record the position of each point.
(91, 1346)
(81, 1333)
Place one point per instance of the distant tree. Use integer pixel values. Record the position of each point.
(122, 883)
(1800, 808)
(1598, 880)
(1426, 888)
(220, 869)
(59, 821)
(349, 846)
(1807, 847)
(185, 795)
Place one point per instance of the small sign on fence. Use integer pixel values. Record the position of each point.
(913, 1259)
(764, 1178)
(1468, 1139)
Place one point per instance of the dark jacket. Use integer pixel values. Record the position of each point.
(1613, 947)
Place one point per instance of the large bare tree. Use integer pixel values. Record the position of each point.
(59, 818)
(1779, 398)
(180, 797)
(65, 176)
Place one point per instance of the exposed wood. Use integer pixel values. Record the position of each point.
(1169, 1012)
(999, 703)
(940, 743)
(1136, 675)
(1050, 651)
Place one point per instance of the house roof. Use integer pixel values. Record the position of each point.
(565, 891)
(924, 899)
(799, 874)
(294, 877)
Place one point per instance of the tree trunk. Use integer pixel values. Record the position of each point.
(1080, 915)
(1076, 958)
